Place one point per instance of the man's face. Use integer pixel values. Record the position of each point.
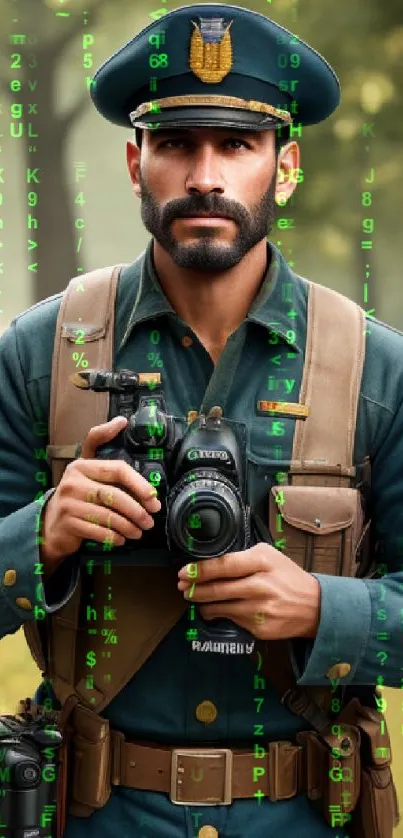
(217, 171)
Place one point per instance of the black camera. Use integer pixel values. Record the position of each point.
(199, 470)
(28, 775)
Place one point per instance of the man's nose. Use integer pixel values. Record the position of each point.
(205, 172)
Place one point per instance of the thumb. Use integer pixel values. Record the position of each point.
(100, 434)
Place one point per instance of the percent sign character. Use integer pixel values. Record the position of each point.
(110, 636)
(155, 359)
(80, 360)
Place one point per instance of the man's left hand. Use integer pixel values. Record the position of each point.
(260, 589)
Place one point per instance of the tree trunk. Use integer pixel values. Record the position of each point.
(51, 241)
(53, 262)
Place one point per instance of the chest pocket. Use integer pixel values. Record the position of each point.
(320, 528)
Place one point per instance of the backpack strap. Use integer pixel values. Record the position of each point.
(84, 337)
(323, 444)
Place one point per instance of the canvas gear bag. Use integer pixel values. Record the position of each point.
(317, 518)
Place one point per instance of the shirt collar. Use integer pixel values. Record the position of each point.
(270, 308)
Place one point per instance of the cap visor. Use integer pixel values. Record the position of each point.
(209, 118)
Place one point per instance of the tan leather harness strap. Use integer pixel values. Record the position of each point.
(332, 398)
(323, 448)
(84, 338)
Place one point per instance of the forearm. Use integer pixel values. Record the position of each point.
(50, 556)
(309, 617)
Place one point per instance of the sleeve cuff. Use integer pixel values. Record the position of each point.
(23, 596)
(63, 582)
(343, 632)
(61, 585)
(21, 588)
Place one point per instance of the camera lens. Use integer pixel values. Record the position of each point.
(204, 514)
(27, 774)
(205, 524)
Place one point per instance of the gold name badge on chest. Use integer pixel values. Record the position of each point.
(288, 410)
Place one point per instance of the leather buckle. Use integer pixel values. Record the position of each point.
(177, 771)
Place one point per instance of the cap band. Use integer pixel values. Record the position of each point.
(217, 101)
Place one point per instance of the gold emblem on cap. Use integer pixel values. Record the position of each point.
(210, 60)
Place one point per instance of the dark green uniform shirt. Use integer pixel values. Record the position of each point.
(262, 360)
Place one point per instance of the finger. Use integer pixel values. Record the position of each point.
(100, 434)
(91, 532)
(229, 566)
(248, 588)
(121, 502)
(108, 518)
(118, 472)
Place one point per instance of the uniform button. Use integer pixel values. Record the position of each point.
(187, 341)
(339, 670)
(9, 577)
(216, 411)
(192, 415)
(24, 603)
(206, 712)
(207, 832)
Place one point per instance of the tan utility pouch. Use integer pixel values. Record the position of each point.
(318, 527)
(90, 757)
(333, 772)
(377, 812)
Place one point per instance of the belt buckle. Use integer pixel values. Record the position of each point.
(200, 752)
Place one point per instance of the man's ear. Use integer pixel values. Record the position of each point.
(133, 164)
(287, 172)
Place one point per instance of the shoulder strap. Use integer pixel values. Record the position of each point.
(85, 330)
(84, 336)
(334, 360)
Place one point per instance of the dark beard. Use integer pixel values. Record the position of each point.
(207, 254)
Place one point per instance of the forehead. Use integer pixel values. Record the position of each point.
(207, 133)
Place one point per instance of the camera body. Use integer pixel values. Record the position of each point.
(199, 471)
(28, 774)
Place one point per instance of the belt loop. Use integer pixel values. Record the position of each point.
(117, 740)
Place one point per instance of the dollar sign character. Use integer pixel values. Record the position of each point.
(91, 659)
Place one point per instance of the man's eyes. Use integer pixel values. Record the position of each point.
(176, 142)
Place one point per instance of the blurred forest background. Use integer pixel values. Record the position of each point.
(344, 224)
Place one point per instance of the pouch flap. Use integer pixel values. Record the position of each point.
(381, 777)
(80, 333)
(316, 509)
(88, 724)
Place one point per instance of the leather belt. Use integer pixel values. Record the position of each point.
(208, 776)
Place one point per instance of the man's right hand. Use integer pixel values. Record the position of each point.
(87, 504)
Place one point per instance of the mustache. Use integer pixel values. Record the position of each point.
(203, 208)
